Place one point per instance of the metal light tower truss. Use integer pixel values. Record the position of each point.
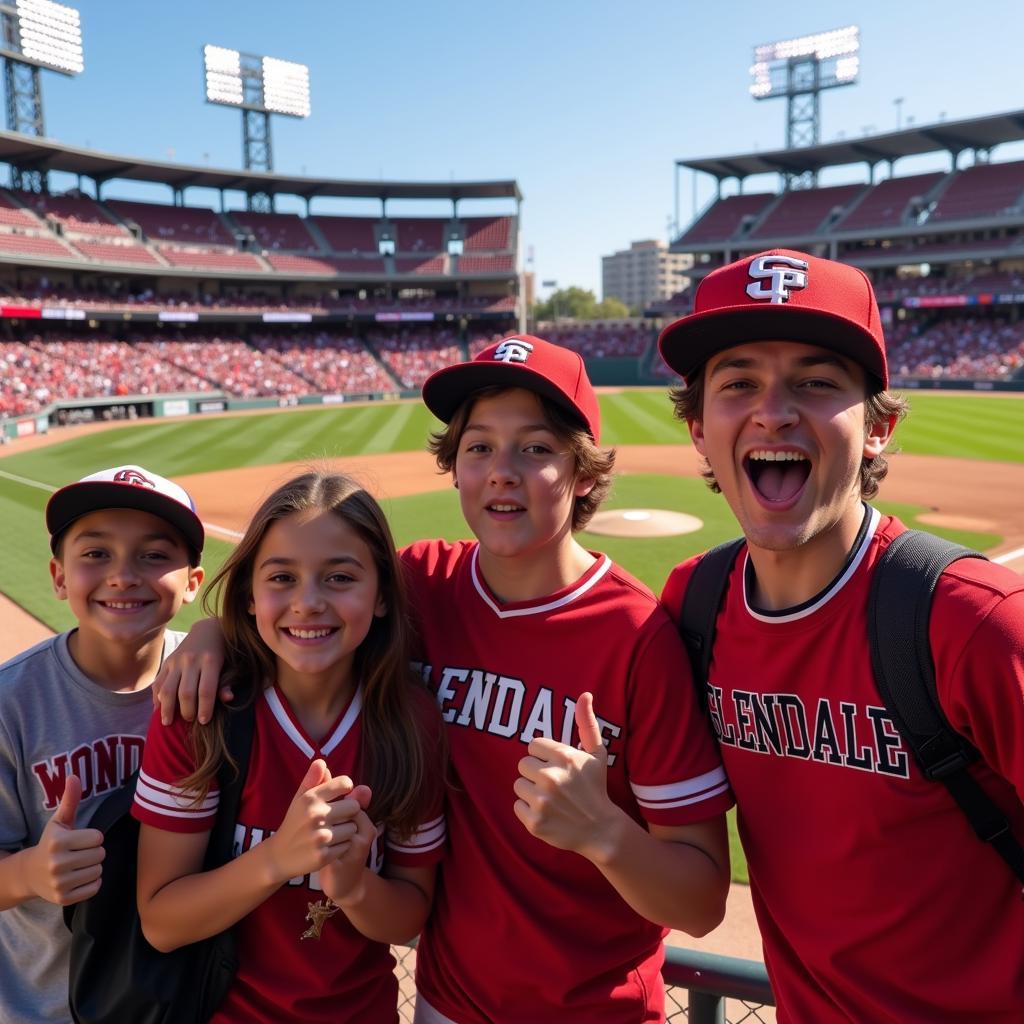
(259, 87)
(35, 34)
(800, 69)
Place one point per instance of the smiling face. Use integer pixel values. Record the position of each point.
(315, 593)
(124, 573)
(783, 430)
(517, 481)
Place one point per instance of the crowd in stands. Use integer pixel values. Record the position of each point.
(983, 347)
(36, 373)
(47, 293)
(413, 354)
(331, 363)
(41, 369)
(601, 339)
(982, 280)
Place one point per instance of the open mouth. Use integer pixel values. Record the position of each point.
(123, 606)
(777, 476)
(504, 508)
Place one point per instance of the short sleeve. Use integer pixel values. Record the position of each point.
(160, 800)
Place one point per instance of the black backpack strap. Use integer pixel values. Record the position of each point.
(703, 598)
(239, 726)
(899, 611)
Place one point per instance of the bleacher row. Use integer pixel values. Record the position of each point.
(74, 228)
(938, 199)
(42, 368)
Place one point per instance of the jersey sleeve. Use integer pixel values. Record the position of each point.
(160, 800)
(427, 844)
(981, 679)
(674, 768)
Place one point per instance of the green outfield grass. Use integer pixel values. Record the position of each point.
(964, 426)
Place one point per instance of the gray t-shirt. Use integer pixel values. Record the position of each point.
(54, 721)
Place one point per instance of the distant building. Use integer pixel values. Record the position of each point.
(646, 272)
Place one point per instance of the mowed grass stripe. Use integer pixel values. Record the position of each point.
(966, 426)
(632, 418)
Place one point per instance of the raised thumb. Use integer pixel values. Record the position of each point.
(362, 795)
(69, 801)
(586, 722)
(316, 774)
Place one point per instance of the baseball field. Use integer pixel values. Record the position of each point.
(960, 473)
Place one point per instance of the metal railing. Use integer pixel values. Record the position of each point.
(700, 988)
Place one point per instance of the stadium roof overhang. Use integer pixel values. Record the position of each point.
(979, 133)
(47, 155)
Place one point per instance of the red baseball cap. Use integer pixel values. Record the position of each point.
(520, 362)
(125, 487)
(780, 295)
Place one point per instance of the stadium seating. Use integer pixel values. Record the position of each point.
(487, 263)
(487, 233)
(211, 259)
(725, 218)
(77, 215)
(887, 203)
(188, 224)
(417, 234)
(276, 231)
(985, 190)
(348, 234)
(41, 246)
(116, 252)
(802, 213)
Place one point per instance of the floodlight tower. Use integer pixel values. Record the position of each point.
(35, 34)
(800, 69)
(259, 86)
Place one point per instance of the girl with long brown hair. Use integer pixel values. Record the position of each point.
(313, 609)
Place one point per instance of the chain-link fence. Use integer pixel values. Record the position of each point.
(700, 988)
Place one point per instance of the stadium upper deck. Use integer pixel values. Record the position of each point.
(971, 214)
(465, 252)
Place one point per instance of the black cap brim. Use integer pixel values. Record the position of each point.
(689, 343)
(79, 499)
(445, 390)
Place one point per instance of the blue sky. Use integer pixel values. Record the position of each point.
(586, 104)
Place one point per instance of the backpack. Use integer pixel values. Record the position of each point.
(899, 607)
(116, 976)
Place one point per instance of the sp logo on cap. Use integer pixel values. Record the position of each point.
(132, 476)
(774, 277)
(513, 350)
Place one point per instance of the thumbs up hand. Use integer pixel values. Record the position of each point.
(318, 825)
(562, 791)
(65, 866)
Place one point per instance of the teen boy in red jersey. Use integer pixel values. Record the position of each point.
(546, 907)
(875, 900)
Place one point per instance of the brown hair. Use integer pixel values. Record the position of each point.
(879, 407)
(397, 760)
(589, 461)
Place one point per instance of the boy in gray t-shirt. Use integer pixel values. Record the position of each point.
(74, 711)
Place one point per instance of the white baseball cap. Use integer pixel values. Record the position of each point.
(125, 487)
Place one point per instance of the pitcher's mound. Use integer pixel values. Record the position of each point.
(643, 522)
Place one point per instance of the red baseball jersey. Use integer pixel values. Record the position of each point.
(342, 976)
(523, 933)
(875, 899)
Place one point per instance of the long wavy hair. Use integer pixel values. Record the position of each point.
(399, 760)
